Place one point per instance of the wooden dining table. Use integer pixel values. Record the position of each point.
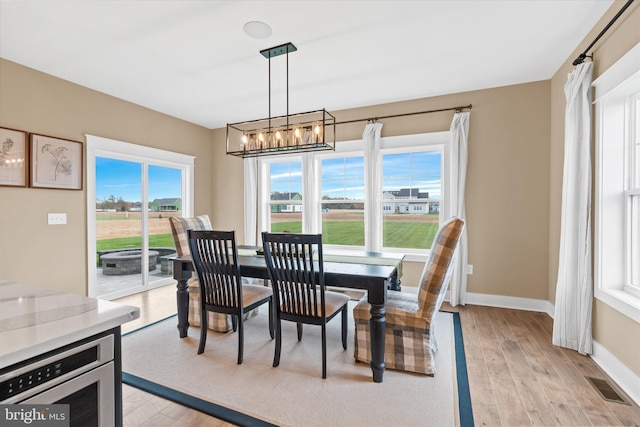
(356, 272)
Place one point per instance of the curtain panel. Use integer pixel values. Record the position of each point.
(250, 201)
(574, 288)
(459, 153)
(373, 183)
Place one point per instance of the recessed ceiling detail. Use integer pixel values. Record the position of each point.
(257, 30)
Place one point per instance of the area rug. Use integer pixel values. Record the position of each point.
(155, 359)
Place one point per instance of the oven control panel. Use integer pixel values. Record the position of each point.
(38, 374)
(35, 377)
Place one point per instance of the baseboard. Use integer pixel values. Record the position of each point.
(623, 376)
(626, 379)
(502, 301)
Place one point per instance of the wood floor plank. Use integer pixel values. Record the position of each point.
(510, 405)
(158, 420)
(531, 391)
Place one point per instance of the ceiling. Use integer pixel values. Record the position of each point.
(192, 60)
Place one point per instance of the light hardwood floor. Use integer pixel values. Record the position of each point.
(516, 376)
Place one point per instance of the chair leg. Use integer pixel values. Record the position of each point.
(203, 330)
(324, 350)
(344, 327)
(276, 355)
(271, 315)
(240, 339)
(234, 323)
(299, 327)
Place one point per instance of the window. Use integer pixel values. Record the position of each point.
(285, 196)
(414, 188)
(343, 201)
(633, 195)
(617, 182)
(411, 184)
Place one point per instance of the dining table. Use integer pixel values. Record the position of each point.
(370, 271)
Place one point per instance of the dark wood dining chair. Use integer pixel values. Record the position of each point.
(296, 270)
(215, 258)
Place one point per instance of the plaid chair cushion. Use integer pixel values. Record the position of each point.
(409, 341)
(436, 273)
(179, 227)
(218, 322)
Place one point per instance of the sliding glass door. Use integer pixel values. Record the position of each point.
(129, 221)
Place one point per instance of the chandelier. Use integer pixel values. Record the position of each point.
(310, 131)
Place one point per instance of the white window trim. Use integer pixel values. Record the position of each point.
(393, 144)
(611, 220)
(104, 147)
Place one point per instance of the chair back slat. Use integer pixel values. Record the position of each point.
(296, 266)
(215, 259)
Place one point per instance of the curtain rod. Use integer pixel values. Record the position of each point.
(583, 55)
(457, 109)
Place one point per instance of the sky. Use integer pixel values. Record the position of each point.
(341, 177)
(123, 179)
(344, 177)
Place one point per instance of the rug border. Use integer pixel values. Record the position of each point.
(465, 409)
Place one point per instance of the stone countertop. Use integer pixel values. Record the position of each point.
(36, 320)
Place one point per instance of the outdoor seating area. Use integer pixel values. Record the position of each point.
(119, 262)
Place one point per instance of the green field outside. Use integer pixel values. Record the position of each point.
(414, 235)
(155, 241)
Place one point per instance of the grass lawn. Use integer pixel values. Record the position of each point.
(415, 235)
(155, 241)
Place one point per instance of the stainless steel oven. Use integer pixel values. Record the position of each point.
(82, 376)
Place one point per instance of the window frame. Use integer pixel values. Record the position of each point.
(388, 145)
(614, 171)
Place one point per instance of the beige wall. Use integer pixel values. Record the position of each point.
(619, 334)
(56, 256)
(507, 181)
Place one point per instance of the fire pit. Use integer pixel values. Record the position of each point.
(126, 262)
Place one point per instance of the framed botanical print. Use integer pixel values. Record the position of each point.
(13, 158)
(55, 163)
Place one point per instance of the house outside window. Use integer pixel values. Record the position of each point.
(617, 186)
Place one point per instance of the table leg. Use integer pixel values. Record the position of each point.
(377, 328)
(182, 296)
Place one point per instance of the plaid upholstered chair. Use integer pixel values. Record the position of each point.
(219, 322)
(409, 341)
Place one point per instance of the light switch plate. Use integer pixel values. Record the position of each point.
(469, 269)
(56, 218)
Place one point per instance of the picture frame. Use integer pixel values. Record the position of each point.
(14, 158)
(55, 163)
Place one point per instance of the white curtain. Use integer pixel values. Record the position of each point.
(250, 200)
(574, 289)
(372, 185)
(459, 152)
(310, 195)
